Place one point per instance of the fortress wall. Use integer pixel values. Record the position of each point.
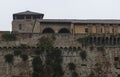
(106, 57)
(83, 67)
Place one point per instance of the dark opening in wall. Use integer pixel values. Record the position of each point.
(20, 17)
(20, 26)
(118, 40)
(37, 17)
(28, 17)
(64, 30)
(86, 30)
(110, 40)
(107, 40)
(48, 30)
(116, 58)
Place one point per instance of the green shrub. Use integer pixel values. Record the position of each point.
(24, 57)
(17, 52)
(9, 37)
(9, 58)
(83, 55)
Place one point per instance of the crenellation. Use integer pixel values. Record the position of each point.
(91, 45)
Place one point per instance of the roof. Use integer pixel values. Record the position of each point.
(104, 21)
(28, 13)
(57, 20)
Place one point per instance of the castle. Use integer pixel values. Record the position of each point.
(99, 39)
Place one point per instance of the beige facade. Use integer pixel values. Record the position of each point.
(33, 23)
(23, 26)
(37, 26)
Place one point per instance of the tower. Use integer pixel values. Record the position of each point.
(24, 22)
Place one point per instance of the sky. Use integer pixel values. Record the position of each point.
(59, 9)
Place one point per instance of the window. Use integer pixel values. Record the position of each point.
(36, 17)
(28, 17)
(102, 24)
(86, 30)
(111, 24)
(20, 26)
(20, 17)
(112, 30)
(118, 24)
(116, 58)
(93, 24)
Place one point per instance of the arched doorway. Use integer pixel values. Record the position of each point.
(48, 30)
(64, 30)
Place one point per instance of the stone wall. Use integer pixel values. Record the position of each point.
(100, 61)
(96, 60)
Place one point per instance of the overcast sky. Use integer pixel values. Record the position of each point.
(60, 9)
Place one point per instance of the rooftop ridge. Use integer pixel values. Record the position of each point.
(83, 21)
(27, 12)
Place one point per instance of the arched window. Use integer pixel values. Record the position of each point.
(48, 30)
(64, 30)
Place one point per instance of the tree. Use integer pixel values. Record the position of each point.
(45, 43)
(37, 67)
(53, 63)
(53, 59)
(71, 66)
